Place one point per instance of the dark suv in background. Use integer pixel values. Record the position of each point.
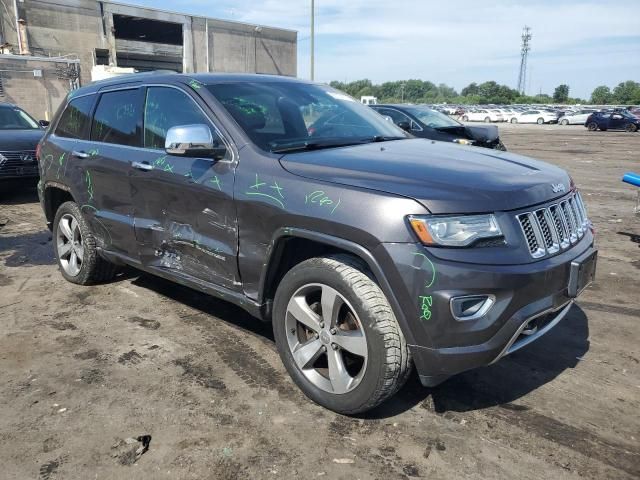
(369, 251)
(19, 136)
(424, 122)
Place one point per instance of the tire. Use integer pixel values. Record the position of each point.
(70, 228)
(386, 361)
(630, 127)
(487, 120)
(514, 120)
(592, 126)
(465, 118)
(564, 122)
(500, 146)
(540, 121)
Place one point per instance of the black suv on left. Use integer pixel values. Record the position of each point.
(19, 136)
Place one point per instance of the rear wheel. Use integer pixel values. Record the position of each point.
(465, 118)
(337, 335)
(487, 120)
(564, 122)
(75, 248)
(592, 126)
(540, 121)
(514, 120)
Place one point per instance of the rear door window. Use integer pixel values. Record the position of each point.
(117, 118)
(74, 122)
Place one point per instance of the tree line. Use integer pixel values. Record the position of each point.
(420, 91)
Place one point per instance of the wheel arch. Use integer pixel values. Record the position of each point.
(54, 195)
(308, 244)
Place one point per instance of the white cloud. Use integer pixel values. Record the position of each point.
(582, 42)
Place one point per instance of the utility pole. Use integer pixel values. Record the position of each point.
(312, 37)
(524, 54)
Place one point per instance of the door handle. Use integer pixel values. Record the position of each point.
(80, 154)
(144, 166)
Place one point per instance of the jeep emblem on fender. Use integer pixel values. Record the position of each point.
(557, 187)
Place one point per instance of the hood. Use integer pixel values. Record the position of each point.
(11, 140)
(444, 178)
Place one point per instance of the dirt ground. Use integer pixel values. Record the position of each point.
(82, 368)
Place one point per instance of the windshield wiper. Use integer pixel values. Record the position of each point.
(383, 138)
(313, 145)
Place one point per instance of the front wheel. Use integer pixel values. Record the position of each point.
(630, 127)
(564, 122)
(337, 335)
(465, 118)
(75, 248)
(500, 146)
(514, 120)
(540, 121)
(487, 120)
(592, 126)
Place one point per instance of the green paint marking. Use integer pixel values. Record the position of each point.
(216, 181)
(258, 183)
(431, 266)
(321, 199)
(337, 204)
(169, 168)
(278, 188)
(277, 200)
(196, 85)
(89, 185)
(158, 162)
(426, 304)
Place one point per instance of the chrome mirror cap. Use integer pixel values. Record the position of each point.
(190, 141)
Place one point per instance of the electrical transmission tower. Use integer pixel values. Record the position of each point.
(524, 53)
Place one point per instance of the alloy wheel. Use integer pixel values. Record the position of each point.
(69, 245)
(326, 338)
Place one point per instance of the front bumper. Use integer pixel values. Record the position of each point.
(529, 300)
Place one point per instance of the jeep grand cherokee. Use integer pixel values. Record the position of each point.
(369, 251)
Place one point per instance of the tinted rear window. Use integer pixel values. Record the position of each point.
(117, 117)
(75, 118)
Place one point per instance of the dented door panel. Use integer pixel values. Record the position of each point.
(185, 217)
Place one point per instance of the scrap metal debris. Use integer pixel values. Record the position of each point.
(129, 450)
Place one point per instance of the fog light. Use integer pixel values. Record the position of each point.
(471, 307)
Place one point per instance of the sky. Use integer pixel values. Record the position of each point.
(583, 43)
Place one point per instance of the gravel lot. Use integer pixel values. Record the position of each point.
(83, 368)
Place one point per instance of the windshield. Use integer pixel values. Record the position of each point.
(432, 118)
(12, 118)
(280, 116)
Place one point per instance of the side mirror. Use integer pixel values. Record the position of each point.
(193, 141)
(44, 123)
(406, 126)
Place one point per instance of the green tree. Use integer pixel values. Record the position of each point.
(627, 92)
(601, 95)
(561, 93)
(471, 89)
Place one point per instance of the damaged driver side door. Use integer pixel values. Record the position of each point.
(185, 221)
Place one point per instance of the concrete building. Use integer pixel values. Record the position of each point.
(49, 47)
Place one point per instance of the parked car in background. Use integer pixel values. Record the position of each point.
(619, 120)
(575, 118)
(19, 136)
(535, 116)
(371, 252)
(482, 115)
(508, 114)
(424, 122)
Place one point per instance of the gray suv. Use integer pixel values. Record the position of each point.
(370, 251)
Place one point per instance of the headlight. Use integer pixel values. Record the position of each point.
(463, 141)
(459, 231)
